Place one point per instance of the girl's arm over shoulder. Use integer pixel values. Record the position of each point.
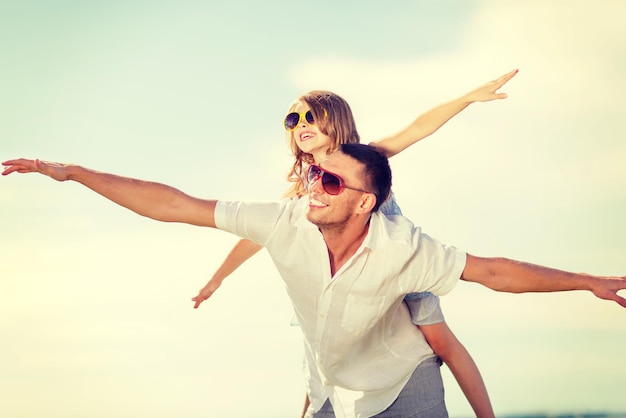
(460, 362)
(428, 122)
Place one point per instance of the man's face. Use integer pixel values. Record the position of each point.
(333, 211)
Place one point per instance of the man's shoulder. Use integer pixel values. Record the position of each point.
(285, 204)
(394, 230)
(292, 211)
(396, 226)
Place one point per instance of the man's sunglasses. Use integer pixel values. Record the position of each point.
(293, 119)
(331, 183)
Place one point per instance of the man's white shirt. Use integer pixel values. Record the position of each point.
(360, 344)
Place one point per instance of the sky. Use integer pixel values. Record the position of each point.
(95, 311)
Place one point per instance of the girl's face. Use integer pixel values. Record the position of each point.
(307, 136)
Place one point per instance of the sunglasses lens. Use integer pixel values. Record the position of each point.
(291, 120)
(314, 171)
(331, 183)
(309, 117)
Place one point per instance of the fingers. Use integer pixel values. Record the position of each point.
(15, 168)
(19, 161)
(506, 77)
(8, 170)
(496, 84)
(488, 91)
(609, 289)
(616, 298)
(619, 299)
(198, 299)
(20, 165)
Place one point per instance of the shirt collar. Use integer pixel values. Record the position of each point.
(376, 232)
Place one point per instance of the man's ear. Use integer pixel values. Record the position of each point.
(367, 203)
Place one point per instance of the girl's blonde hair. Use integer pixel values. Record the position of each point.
(334, 118)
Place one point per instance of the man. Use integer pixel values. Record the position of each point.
(346, 269)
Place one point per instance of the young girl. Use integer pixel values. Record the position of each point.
(317, 124)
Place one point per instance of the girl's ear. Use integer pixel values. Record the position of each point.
(367, 203)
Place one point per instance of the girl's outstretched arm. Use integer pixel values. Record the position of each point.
(429, 122)
(453, 353)
(242, 251)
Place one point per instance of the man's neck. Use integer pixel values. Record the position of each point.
(343, 243)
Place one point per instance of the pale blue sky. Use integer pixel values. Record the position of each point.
(95, 317)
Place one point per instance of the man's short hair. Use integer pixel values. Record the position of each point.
(376, 169)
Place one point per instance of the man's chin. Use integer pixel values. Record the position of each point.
(310, 217)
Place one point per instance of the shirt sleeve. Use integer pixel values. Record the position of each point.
(251, 220)
(437, 267)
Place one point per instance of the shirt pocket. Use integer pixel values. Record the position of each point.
(361, 313)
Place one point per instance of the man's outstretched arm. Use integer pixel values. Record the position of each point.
(511, 276)
(153, 200)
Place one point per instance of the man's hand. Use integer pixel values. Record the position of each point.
(56, 171)
(608, 287)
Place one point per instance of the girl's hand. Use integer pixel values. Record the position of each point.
(206, 292)
(488, 91)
